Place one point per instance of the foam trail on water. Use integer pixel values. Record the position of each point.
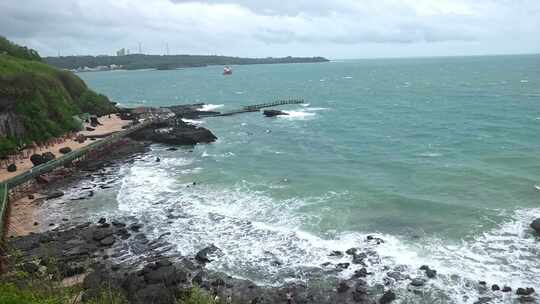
(193, 121)
(211, 107)
(299, 114)
(263, 239)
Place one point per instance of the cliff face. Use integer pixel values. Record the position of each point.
(37, 101)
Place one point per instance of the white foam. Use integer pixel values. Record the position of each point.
(506, 255)
(430, 154)
(524, 81)
(347, 77)
(316, 109)
(193, 121)
(211, 107)
(253, 230)
(299, 114)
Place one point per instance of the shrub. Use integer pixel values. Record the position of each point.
(197, 295)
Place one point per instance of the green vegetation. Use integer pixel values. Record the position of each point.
(10, 293)
(197, 295)
(138, 61)
(50, 292)
(38, 100)
(14, 50)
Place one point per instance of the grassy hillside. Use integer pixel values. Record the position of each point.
(37, 101)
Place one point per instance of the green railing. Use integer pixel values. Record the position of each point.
(49, 166)
(69, 157)
(3, 207)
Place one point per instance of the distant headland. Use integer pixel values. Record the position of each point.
(163, 62)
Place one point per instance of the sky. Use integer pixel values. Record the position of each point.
(337, 29)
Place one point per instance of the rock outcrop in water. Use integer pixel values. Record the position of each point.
(179, 134)
(536, 225)
(272, 113)
(192, 111)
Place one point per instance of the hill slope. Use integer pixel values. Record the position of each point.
(37, 101)
(139, 61)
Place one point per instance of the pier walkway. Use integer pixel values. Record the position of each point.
(257, 107)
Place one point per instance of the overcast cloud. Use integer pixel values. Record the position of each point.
(335, 29)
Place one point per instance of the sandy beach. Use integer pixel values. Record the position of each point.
(109, 125)
(22, 219)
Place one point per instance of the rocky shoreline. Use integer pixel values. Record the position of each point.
(95, 251)
(117, 253)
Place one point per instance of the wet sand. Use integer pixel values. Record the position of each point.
(22, 216)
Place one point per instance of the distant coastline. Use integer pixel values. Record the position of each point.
(165, 62)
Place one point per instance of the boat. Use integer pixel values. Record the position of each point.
(227, 70)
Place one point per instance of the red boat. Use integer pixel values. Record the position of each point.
(227, 71)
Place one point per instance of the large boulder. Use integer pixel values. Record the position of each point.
(53, 195)
(37, 159)
(180, 134)
(65, 150)
(94, 121)
(48, 156)
(203, 255)
(272, 113)
(12, 168)
(387, 297)
(536, 225)
(525, 291)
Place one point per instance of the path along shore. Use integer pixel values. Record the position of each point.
(22, 219)
(108, 125)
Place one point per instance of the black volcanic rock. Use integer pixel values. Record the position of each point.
(272, 113)
(202, 255)
(36, 159)
(180, 134)
(48, 156)
(525, 291)
(536, 225)
(387, 297)
(12, 168)
(80, 249)
(55, 194)
(65, 150)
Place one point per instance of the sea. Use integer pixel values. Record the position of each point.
(439, 157)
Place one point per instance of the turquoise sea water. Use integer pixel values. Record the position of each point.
(439, 156)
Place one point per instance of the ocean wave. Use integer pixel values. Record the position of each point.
(316, 109)
(430, 154)
(211, 107)
(299, 114)
(264, 239)
(193, 121)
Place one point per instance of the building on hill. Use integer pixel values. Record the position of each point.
(121, 52)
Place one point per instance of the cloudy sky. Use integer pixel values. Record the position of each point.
(257, 28)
